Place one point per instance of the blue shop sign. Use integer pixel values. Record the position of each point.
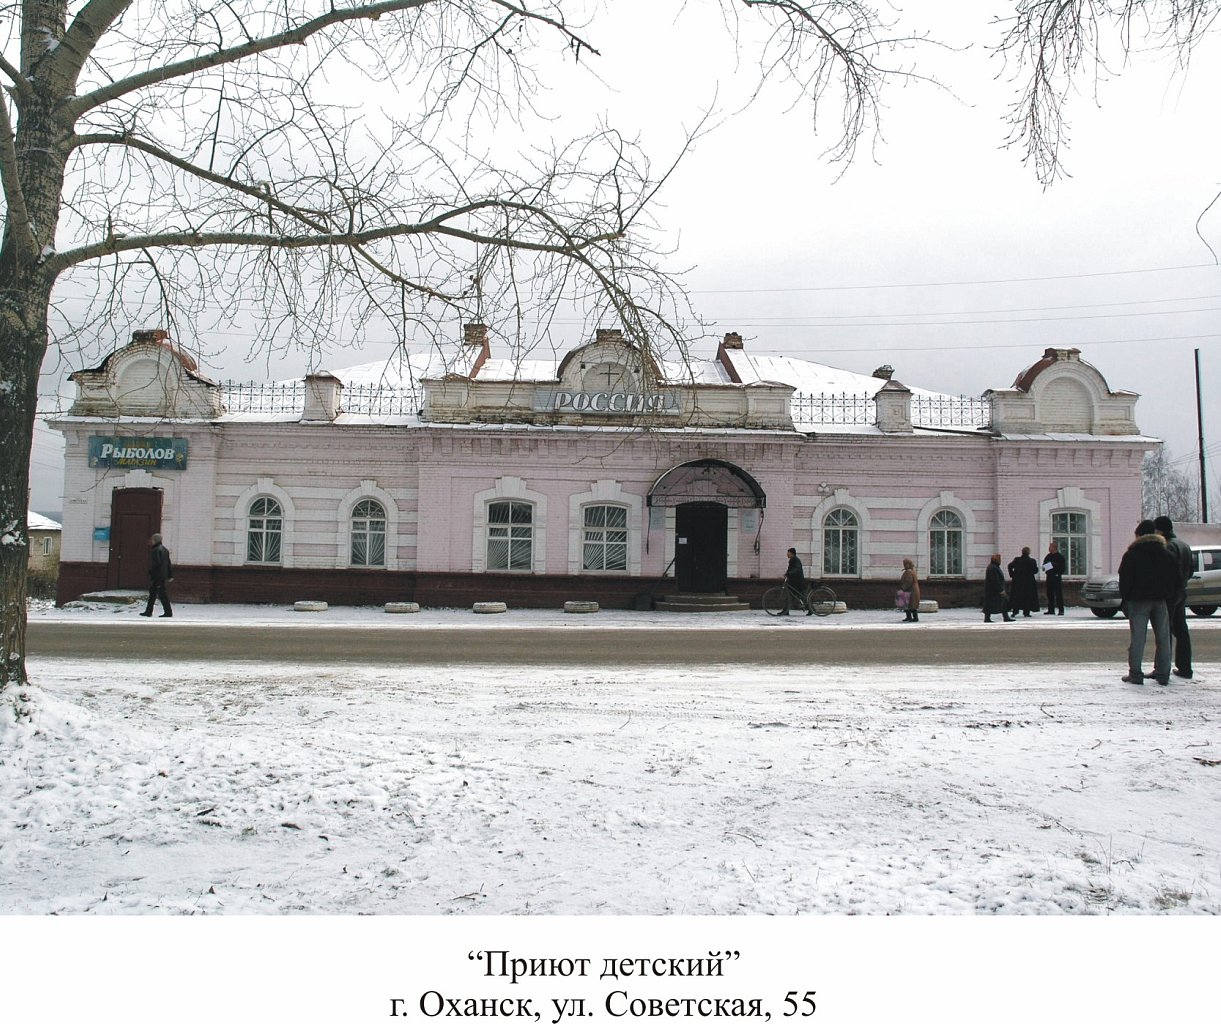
(138, 452)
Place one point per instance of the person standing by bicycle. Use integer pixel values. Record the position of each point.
(794, 583)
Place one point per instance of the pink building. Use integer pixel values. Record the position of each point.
(602, 475)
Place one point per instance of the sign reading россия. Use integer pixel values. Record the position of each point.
(138, 452)
(608, 403)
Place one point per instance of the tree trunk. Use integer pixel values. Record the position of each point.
(21, 352)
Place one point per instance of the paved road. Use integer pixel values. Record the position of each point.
(810, 643)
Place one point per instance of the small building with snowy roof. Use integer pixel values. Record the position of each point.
(605, 473)
(44, 534)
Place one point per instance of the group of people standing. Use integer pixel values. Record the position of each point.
(1153, 575)
(1021, 593)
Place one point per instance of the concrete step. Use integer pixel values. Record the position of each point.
(115, 596)
(700, 603)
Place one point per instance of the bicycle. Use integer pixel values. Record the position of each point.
(817, 600)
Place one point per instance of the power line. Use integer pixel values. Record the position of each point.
(1015, 309)
(954, 284)
(968, 346)
(975, 323)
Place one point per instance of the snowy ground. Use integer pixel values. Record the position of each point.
(240, 789)
(797, 809)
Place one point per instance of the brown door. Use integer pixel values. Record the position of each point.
(135, 515)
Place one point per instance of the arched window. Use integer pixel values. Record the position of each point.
(945, 544)
(264, 529)
(840, 543)
(604, 547)
(368, 533)
(1070, 532)
(510, 536)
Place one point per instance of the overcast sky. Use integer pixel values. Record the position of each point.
(937, 252)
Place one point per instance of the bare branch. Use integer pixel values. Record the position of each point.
(18, 217)
(1049, 45)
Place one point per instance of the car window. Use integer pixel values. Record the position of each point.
(1207, 559)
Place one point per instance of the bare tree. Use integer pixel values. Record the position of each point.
(159, 155)
(1167, 490)
(157, 152)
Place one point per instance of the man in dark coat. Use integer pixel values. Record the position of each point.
(1055, 567)
(1024, 589)
(160, 572)
(794, 581)
(1148, 578)
(1180, 551)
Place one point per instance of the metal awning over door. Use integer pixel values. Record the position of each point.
(707, 480)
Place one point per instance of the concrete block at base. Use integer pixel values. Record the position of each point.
(401, 607)
(928, 606)
(580, 607)
(310, 606)
(840, 608)
(489, 607)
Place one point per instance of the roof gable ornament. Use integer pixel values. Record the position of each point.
(150, 377)
(1063, 394)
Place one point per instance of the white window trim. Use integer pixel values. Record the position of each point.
(949, 502)
(1073, 499)
(265, 487)
(509, 488)
(839, 498)
(347, 505)
(604, 492)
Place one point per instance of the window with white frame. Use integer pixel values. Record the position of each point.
(368, 533)
(46, 545)
(510, 536)
(264, 531)
(840, 543)
(1070, 532)
(604, 546)
(945, 543)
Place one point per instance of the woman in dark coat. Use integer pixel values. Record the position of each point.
(1024, 587)
(994, 591)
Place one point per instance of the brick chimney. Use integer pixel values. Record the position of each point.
(475, 336)
(158, 335)
(732, 342)
(608, 334)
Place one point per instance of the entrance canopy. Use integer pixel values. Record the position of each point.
(707, 480)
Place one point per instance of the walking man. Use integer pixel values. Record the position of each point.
(160, 572)
(1054, 566)
(794, 581)
(1148, 579)
(1177, 605)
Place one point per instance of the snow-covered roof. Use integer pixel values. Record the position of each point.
(34, 521)
(405, 372)
(808, 377)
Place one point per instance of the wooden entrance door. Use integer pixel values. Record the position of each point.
(700, 550)
(135, 515)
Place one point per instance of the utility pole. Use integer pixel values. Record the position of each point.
(1200, 444)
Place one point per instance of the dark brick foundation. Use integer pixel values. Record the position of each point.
(270, 585)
